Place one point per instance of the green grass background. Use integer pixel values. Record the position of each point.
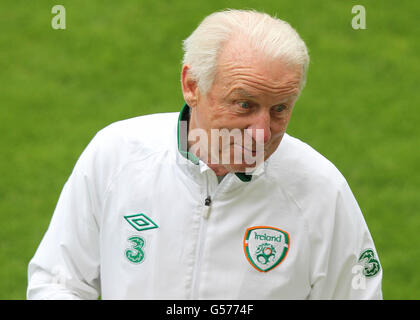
(120, 59)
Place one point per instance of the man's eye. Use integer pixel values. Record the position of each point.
(244, 105)
(279, 108)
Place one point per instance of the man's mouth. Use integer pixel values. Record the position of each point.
(253, 150)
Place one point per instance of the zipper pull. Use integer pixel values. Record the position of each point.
(206, 209)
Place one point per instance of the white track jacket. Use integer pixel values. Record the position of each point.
(139, 218)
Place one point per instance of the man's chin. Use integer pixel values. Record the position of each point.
(221, 170)
(244, 165)
(242, 168)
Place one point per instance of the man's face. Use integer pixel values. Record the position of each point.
(251, 94)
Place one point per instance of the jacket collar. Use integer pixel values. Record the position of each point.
(183, 120)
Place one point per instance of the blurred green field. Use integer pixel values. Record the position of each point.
(120, 59)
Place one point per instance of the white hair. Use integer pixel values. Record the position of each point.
(271, 36)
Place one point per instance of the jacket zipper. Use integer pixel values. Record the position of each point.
(205, 213)
(206, 210)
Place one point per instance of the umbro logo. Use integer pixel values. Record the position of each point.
(136, 252)
(141, 222)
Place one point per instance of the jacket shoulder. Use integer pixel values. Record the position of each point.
(148, 130)
(128, 140)
(297, 163)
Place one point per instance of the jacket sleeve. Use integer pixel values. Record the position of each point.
(66, 263)
(351, 268)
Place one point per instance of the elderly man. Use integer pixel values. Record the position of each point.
(214, 202)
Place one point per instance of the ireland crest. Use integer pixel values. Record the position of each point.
(265, 247)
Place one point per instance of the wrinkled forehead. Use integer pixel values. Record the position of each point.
(239, 62)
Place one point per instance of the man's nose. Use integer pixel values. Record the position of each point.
(260, 128)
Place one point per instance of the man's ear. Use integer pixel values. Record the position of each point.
(189, 87)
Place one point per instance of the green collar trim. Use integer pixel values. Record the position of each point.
(183, 119)
(244, 177)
